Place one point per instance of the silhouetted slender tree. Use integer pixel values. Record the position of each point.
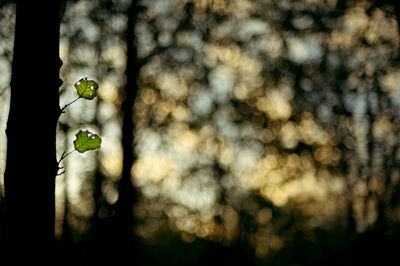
(31, 133)
(123, 217)
(118, 228)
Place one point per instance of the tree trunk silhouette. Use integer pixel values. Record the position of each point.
(123, 219)
(31, 169)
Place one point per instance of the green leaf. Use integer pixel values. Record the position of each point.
(86, 140)
(86, 89)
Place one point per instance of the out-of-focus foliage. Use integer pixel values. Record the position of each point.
(295, 102)
(258, 122)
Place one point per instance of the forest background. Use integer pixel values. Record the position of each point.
(239, 132)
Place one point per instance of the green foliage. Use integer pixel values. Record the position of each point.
(86, 140)
(86, 89)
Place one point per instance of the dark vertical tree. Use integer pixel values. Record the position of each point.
(31, 134)
(123, 217)
(118, 228)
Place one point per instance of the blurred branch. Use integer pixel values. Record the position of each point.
(4, 90)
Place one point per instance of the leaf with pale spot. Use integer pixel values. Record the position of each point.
(86, 89)
(86, 140)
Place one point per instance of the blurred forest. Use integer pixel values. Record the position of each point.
(235, 132)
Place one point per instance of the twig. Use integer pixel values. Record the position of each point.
(63, 155)
(65, 106)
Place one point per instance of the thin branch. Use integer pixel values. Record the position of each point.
(65, 106)
(58, 174)
(3, 91)
(63, 155)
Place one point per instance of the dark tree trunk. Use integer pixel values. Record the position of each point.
(118, 228)
(125, 185)
(31, 169)
(123, 217)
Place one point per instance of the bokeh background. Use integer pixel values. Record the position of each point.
(241, 132)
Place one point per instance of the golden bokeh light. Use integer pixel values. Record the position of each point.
(108, 92)
(152, 167)
(275, 105)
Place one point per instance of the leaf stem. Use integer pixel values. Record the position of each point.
(64, 155)
(65, 106)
